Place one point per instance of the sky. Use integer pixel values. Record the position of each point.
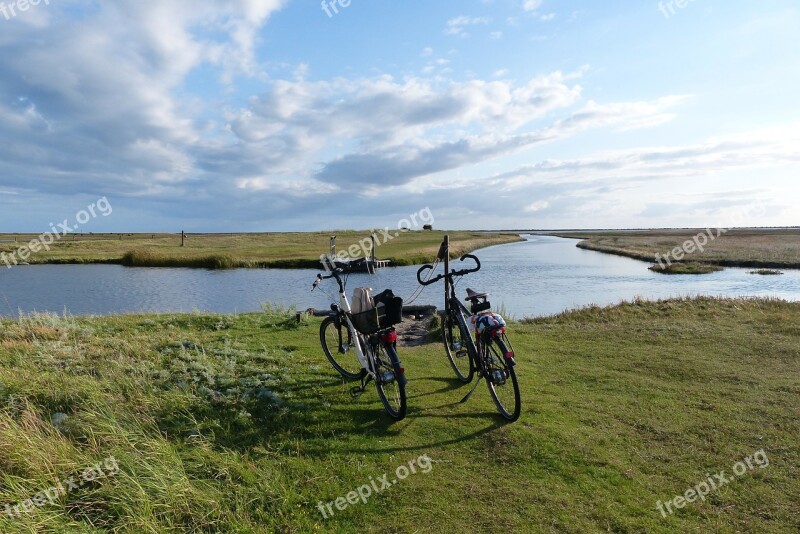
(296, 115)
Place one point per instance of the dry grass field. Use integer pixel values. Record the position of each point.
(758, 248)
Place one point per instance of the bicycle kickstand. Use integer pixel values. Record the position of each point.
(468, 395)
(357, 391)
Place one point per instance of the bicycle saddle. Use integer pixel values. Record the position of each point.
(474, 295)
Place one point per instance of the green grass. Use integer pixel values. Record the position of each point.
(685, 268)
(224, 423)
(758, 248)
(225, 251)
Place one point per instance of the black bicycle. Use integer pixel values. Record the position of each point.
(490, 354)
(363, 346)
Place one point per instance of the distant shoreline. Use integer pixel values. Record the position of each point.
(276, 250)
(758, 248)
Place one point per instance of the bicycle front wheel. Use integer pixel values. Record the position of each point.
(457, 342)
(390, 382)
(339, 347)
(502, 380)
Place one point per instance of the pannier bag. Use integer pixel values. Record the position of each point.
(390, 308)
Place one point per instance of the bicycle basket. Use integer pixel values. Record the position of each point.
(366, 322)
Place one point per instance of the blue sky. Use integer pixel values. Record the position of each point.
(271, 115)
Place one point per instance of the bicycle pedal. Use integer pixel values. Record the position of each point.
(356, 391)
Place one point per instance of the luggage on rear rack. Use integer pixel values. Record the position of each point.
(370, 314)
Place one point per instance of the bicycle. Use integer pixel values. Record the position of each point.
(365, 345)
(490, 354)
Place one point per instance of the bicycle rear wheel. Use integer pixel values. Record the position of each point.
(502, 379)
(339, 347)
(389, 380)
(457, 342)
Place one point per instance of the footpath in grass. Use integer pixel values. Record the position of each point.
(222, 423)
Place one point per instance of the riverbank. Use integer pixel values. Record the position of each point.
(223, 423)
(751, 248)
(227, 251)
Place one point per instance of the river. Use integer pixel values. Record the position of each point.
(540, 276)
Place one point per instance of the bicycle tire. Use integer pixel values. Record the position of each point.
(393, 393)
(458, 347)
(346, 362)
(498, 362)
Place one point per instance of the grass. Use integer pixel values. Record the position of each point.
(759, 249)
(224, 251)
(685, 268)
(224, 423)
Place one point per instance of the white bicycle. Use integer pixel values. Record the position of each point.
(363, 346)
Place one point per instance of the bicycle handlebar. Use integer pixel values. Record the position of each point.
(334, 274)
(452, 273)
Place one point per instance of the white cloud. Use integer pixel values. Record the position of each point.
(762, 149)
(539, 205)
(531, 5)
(457, 26)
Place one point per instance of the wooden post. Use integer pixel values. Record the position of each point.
(183, 237)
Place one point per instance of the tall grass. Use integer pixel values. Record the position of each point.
(147, 258)
(224, 423)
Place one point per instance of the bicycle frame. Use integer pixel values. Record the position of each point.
(449, 303)
(343, 311)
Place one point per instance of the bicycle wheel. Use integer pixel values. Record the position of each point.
(391, 386)
(339, 347)
(501, 379)
(457, 342)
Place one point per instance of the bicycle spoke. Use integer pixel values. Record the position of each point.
(501, 380)
(339, 347)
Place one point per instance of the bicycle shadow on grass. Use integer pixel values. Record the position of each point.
(386, 427)
(451, 384)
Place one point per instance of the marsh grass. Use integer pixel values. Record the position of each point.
(756, 248)
(145, 258)
(685, 268)
(226, 423)
(230, 251)
(766, 272)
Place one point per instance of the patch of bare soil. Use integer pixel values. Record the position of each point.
(413, 331)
